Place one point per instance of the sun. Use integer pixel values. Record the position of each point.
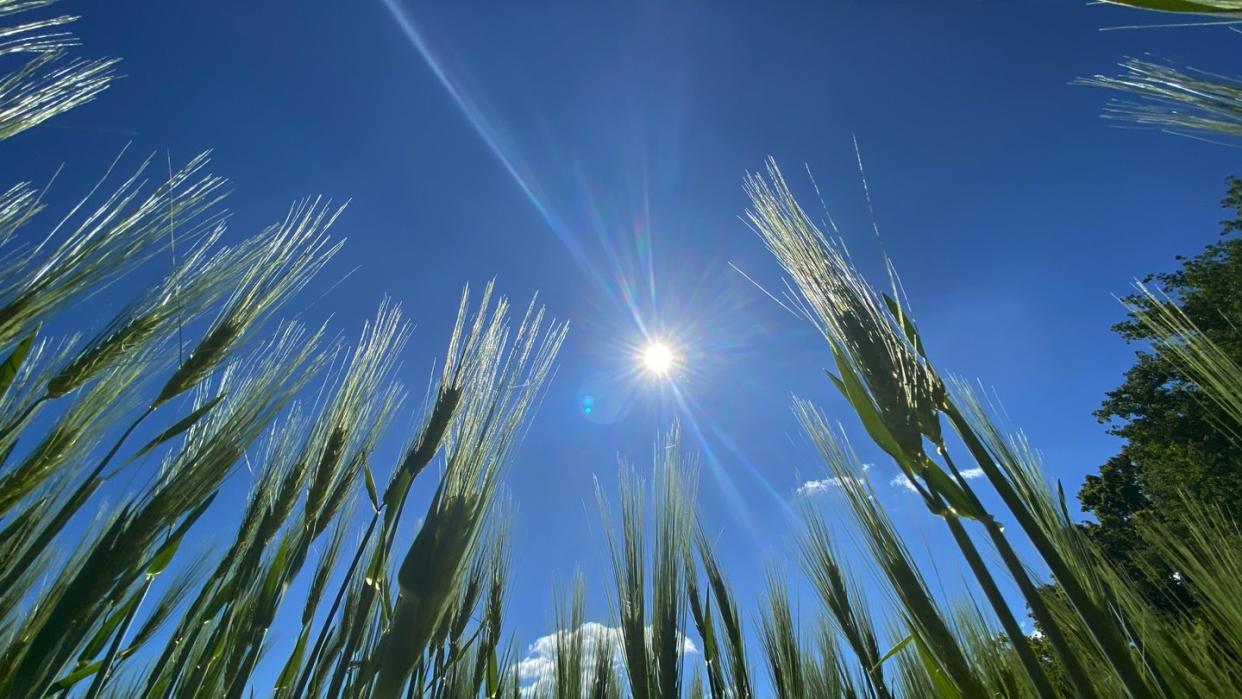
(657, 358)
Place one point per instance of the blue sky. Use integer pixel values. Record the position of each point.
(594, 152)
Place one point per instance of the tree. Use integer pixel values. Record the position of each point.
(1174, 447)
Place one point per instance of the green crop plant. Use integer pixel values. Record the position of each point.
(102, 592)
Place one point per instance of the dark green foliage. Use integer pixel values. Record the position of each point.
(1177, 443)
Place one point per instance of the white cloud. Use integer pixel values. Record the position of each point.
(823, 485)
(903, 482)
(537, 670)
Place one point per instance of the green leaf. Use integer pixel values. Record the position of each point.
(952, 492)
(5, 452)
(164, 555)
(100, 639)
(907, 325)
(181, 425)
(1175, 6)
(701, 610)
(288, 676)
(8, 370)
(275, 573)
(81, 672)
(493, 675)
(370, 482)
(901, 645)
(1060, 499)
(945, 688)
(851, 386)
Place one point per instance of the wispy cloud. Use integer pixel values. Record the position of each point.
(823, 485)
(901, 481)
(538, 668)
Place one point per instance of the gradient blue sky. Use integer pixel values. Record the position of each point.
(594, 152)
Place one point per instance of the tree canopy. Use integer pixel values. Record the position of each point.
(1174, 445)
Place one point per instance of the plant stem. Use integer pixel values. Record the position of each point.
(79, 497)
(102, 675)
(17, 422)
(336, 603)
(1096, 622)
(1020, 643)
(1077, 674)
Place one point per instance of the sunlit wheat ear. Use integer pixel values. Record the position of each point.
(843, 598)
(273, 498)
(500, 374)
(568, 656)
(778, 634)
(705, 623)
(630, 581)
(17, 206)
(605, 682)
(293, 252)
(24, 394)
(275, 487)
(202, 277)
(673, 500)
(653, 661)
(827, 672)
(99, 242)
(440, 408)
(357, 412)
(78, 429)
(51, 82)
(884, 374)
(476, 408)
(737, 669)
(496, 563)
(1173, 99)
(881, 372)
(257, 391)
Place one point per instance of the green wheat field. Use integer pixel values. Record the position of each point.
(109, 596)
